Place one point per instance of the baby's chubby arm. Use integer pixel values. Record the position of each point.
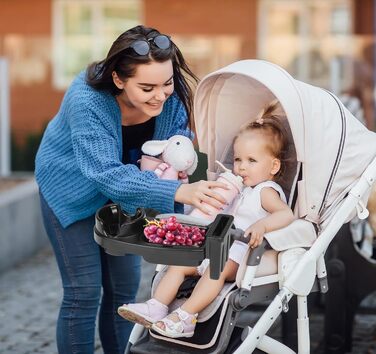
(280, 216)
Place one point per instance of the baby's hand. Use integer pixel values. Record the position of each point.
(256, 232)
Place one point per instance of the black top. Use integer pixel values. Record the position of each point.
(133, 138)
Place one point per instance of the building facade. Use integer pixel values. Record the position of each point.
(46, 42)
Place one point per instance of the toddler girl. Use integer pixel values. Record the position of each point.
(259, 151)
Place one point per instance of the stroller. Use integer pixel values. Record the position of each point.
(330, 176)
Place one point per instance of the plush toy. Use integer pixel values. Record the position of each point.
(177, 157)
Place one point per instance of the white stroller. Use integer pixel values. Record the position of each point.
(331, 176)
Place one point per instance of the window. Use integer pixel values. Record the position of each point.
(83, 31)
(306, 36)
(205, 54)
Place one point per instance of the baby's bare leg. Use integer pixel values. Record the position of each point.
(170, 283)
(207, 289)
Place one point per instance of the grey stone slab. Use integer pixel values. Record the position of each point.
(22, 231)
(34, 288)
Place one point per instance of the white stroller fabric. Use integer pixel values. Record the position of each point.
(325, 133)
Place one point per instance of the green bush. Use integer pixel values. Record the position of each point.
(23, 156)
(202, 166)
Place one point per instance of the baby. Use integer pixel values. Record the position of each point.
(259, 151)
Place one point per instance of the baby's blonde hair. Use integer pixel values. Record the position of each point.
(268, 124)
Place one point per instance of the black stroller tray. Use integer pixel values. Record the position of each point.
(119, 233)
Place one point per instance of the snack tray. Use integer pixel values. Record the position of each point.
(120, 233)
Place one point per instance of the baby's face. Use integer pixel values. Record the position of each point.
(252, 160)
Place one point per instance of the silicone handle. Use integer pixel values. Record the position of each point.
(238, 235)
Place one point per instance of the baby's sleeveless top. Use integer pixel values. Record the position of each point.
(247, 210)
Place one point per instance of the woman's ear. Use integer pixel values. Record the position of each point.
(118, 83)
(276, 166)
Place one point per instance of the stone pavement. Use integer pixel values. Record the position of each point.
(30, 296)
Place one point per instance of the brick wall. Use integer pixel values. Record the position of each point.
(209, 17)
(25, 39)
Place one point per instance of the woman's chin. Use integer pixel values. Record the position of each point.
(153, 111)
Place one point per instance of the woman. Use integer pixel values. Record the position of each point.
(88, 156)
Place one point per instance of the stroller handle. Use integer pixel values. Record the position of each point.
(238, 235)
(256, 254)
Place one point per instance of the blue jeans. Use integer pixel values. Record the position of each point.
(85, 270)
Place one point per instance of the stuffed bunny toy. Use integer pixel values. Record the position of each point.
(178, 157)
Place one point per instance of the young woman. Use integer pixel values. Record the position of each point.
(88, 156)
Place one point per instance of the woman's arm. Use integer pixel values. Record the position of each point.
(97, 149)
(97, 154)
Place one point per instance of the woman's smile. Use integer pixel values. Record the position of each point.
(156, 104)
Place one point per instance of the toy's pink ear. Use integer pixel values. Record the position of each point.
(193, 167)
(154, 147)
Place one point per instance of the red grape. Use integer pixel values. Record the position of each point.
(170, 232)
(195, 238)
(171, 226)
(158, 239)
(180, 239)
(153, 229)
(170, 236)
(161, 232)
(146, 231)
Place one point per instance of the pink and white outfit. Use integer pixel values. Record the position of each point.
(247, 210)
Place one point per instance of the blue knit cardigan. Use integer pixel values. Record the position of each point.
(78, 165)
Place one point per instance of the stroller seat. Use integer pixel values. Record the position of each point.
(269, 268)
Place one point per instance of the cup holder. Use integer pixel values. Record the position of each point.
(113, 223)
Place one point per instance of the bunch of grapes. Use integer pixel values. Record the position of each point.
(172, 233)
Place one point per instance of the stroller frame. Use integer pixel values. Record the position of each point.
(294, 285)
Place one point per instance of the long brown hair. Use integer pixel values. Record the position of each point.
(122, 59)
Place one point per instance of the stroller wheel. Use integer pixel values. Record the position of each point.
(236, 340)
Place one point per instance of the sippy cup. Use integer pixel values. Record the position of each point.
(235, 184)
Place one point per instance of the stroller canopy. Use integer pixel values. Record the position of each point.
(332, 146)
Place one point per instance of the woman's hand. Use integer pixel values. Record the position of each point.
(199, 193)
(256, 233)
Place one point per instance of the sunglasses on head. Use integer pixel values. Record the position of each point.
(142, 46)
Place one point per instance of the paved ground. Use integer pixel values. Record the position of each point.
(30, 296)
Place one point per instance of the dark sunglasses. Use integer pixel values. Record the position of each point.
(142, 46)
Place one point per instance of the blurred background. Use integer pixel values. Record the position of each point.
(45, 43)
